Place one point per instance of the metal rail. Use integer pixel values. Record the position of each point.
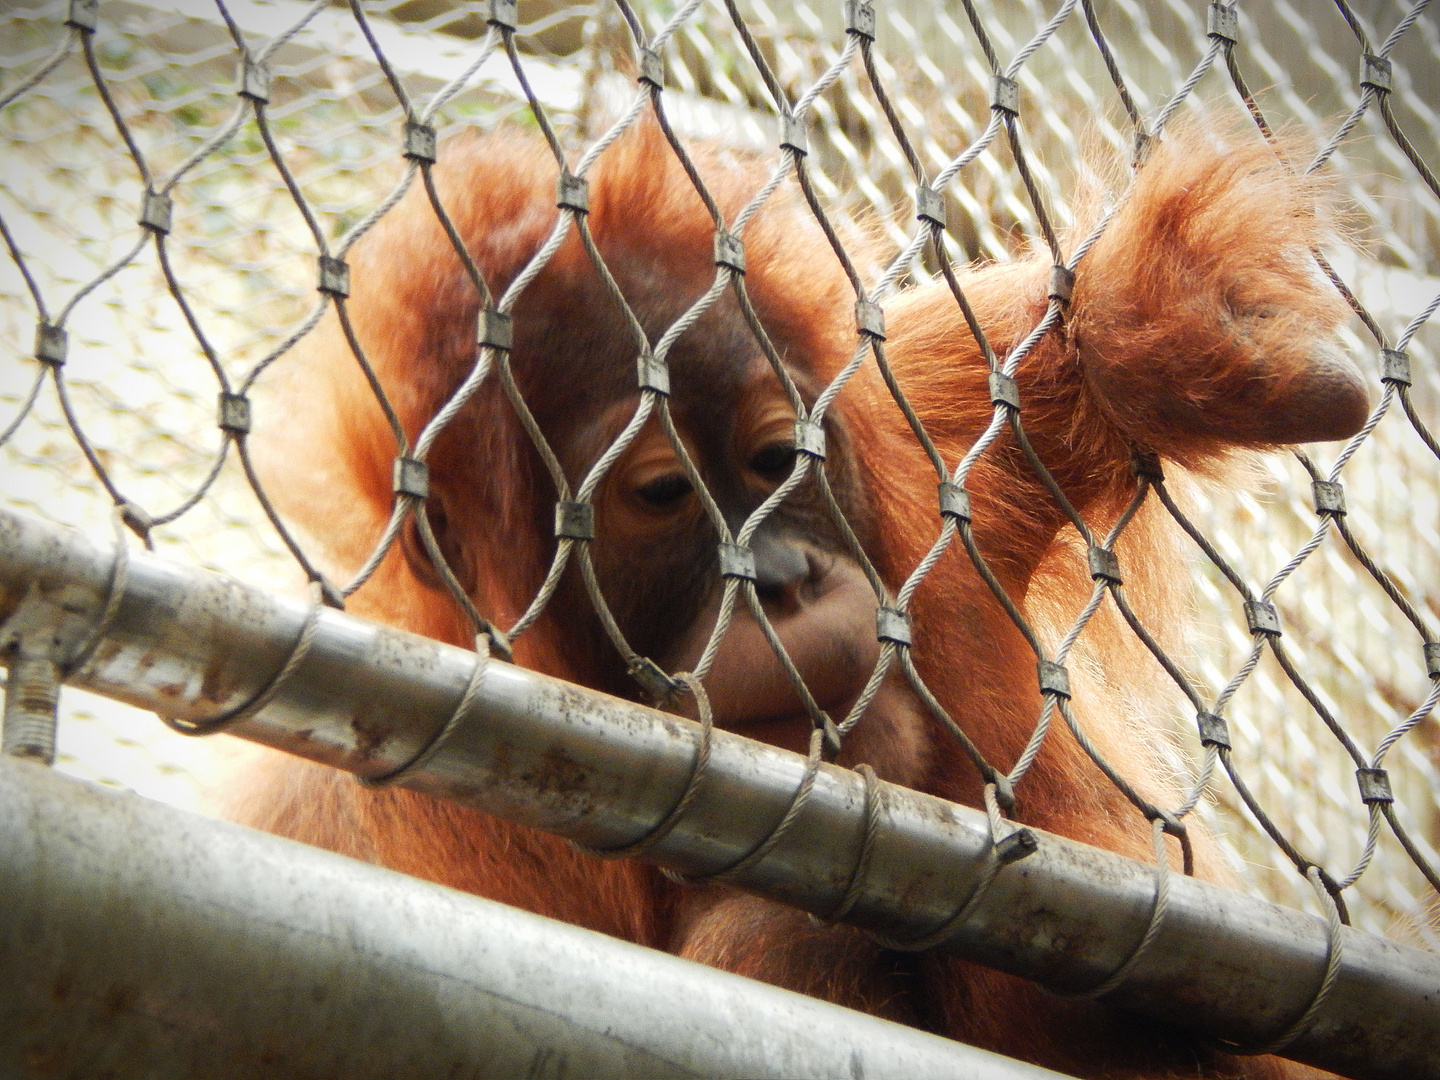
(143, 942)
(369, 699)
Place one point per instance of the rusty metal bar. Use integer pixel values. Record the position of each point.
(369, 698)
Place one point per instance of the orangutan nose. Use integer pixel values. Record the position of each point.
(781, 568)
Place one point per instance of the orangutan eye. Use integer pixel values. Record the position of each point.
(665, 491)
(775, 461)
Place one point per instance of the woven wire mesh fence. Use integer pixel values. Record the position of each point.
(255, 142)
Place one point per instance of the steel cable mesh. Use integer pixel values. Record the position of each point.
(246, 198)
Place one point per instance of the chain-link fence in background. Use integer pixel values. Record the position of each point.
(104, 103)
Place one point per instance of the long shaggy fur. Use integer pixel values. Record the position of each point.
(1197, 326)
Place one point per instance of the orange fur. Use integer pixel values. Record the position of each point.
(1194, 328)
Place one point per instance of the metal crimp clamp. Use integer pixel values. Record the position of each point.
(1395, 367)
(1214, 730)
(793, 136)
(1004, 390)
(334, 277)
(1146, 465)
(51, 344)
(860, 19)
(810, 439)
(652, 68)
(1005, 95)
(234, 414)
(574, 520)
(1329, 497)
(1222, 21)
(737, 561)
(1375, 73)
(893, 625)
(658, 686)
(503, 13)
(1374, 786)
(572, 193)
(412, 477)
(730, 252)
(420, 143)
(1104, 565)
(954, 501)
(83, 15)
(155, 212)
(1062, 283)
(870, 319)
(930, 206)
(652, 373)
(1016, 845)
(255, 82)
(1262, 617)
(496, 330)
(1054, 679)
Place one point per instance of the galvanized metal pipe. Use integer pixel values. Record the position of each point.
(142, 943)
(602, 771)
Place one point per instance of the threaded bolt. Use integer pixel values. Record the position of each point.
(31, 697)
